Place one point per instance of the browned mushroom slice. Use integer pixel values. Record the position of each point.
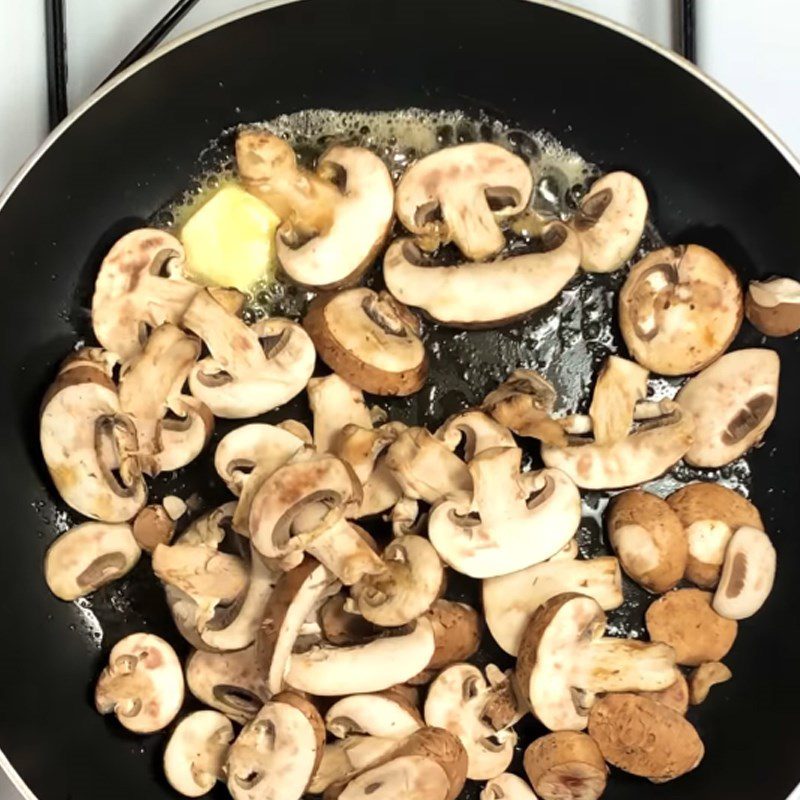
(142, 684)
(153, 526)
(680, 309)
(610, 221)
(566, 765)
(459, 194)
(456, 632)
(370, 340)
(140, 285)
(773, 306)
(89, 556)
(733, 403)
(483, 294)
(251, 369)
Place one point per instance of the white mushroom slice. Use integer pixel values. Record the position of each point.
(361, 447)
(386, 715)
(142, 684)
(478, 432)
(370, 667)
(335, 403)
(140, 284)
(483, 294)
(510, 600)
(233, 683)
(369, 339)
(381, 491)
(773, 306)
(90, 448)
(647, 452)
(512, 520)
(251, 369)
(343, 759)
(747, 574)
(425, 467)
(733, 403)
(456, 701)
(407, 588)
(89, 556)
(298, 429)
(174, 506)
(610, 221)
(252, 447)
(679, 309)
(565, 661)
(620, 385)
(297, 593)
(196, 752)
(460, 193)
(507, 787)
(405, 517)
(276, 753)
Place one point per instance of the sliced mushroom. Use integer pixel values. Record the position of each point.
(524, 403)
(748, 573)
(483, 294)
(370, 340)
(456, 632)
(643, 737)
(675, 697)
(733, 403)
(140, 285)
(566, 765)
(773, 306)
(710, 513)
(251, 369)
(662, 437)
(343, 759)
(89, 556)
(276, 753)
(704, 677)
(233, 683)
(298, 429)
(142, 684)
(459, 194)
(685, 620)
(370, 667)
(512, 520)
(649, 540)
(610, 222)
(296, 594)
(405, 517)
(342, 625)
(565, 662)
(250, 448)
(456, 702)
(507, 787)
(386, 715)
(425, 467)
(510, 600)
(153, 526)
(477, 431)
(620, 385)
(680, 309)
(196, 752)
(90, 447)
(334, 248)
(335, 404)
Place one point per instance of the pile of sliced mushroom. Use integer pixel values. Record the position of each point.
(312, 640)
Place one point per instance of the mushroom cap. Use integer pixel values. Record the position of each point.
(648, 538)
(196, 752)
(252, 369)
(507, 787)
(361, 218)
(483, 294)
(510, 600)
(773, 306)
(142, 684)
(457, 632)
(643, 737)
(232, 683)
(153, 526)
(680, 309)
(710, 513)
(512, 520)
(747, 574)
(566, 765)
(455, 702)
(89, 556)
(131, 290)
(458, 194)
(335, 403)
(733, 403)
(477, 431)
(685, 620)
(386, 715)
(370, 340)
(675, 697)
(610, 221)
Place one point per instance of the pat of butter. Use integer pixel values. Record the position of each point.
(230, 240)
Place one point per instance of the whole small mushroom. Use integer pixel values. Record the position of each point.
(773, 306)
(675, 697)
(566, 765)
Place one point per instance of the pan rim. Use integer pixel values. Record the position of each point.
(793, 160)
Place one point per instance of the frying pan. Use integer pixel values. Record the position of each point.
(714, 175)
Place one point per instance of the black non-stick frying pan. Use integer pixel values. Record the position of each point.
(714, 175)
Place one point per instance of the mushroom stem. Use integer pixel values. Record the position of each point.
(623, 665)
